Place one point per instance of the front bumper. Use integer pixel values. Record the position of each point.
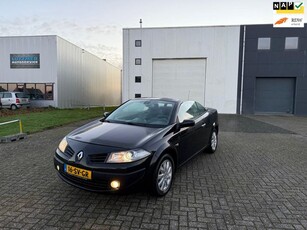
(102, 176)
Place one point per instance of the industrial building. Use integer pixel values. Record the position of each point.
(253, 69)
(55, 72)
(196, 63)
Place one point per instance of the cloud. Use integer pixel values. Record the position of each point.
(111, 54)
(102, 29)
(103, 41)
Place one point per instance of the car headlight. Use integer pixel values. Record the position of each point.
(63, 144)
(127, 156)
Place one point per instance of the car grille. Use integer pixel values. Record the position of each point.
(98, 158)
(69, 151)
(101, 185)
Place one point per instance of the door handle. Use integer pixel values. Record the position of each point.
(203, 125)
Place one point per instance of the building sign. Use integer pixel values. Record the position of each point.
(24, 61)
(288, 14)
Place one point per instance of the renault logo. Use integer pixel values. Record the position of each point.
(80, 155)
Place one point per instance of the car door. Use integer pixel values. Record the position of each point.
(206, 126)
(189, 137)
(6, 100)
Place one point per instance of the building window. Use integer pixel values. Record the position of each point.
(291, 43)
(3, 87)
(138, 43)
(35, 91)
(138, 61)
(49, 92)
(137, 95)
(264, 43)
(138, 79)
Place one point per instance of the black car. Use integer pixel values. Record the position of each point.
(143, 140)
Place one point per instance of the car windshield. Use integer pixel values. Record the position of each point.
(155, 113)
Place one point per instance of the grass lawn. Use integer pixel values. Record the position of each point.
(42, 119)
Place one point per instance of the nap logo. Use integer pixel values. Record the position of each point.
(283, 5)
(288, 7)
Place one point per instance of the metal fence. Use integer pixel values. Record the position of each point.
(14, 121)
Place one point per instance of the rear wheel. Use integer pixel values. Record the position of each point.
(213, 142)
(14, 107)
(163, 176)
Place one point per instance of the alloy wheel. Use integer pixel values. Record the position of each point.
(213, 141)
(165, 175)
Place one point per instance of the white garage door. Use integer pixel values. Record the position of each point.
(180, 79)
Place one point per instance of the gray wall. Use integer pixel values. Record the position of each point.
(84, 79)
(276, 62)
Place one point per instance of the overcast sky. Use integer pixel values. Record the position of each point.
(96, 25)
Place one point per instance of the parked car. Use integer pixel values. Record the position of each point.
(14, 100)
(143, 140)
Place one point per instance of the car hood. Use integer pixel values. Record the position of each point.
(114, 134)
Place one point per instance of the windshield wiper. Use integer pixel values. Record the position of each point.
(136, 124)
(126, 123)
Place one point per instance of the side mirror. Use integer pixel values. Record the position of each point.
(186, 123)
(106, 114)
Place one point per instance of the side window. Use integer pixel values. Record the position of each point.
(201, 108)
(188, 110)
(7, 95)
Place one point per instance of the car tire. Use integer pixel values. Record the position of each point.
(14, 107)
(163, 176)
(213, 142)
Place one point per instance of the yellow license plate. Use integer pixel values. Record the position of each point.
(82, 173)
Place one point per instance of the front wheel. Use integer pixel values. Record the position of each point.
(213, 142)
(163, 176)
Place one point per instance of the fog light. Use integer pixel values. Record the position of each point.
(58, 168)
(115, 184)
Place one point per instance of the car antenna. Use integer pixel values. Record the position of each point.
(189, 95)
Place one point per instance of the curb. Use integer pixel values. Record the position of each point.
(13, 138)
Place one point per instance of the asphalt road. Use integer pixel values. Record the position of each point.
(257, 179)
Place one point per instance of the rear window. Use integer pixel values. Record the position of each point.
(21, 95)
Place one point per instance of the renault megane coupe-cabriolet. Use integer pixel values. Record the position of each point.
(143, 141)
